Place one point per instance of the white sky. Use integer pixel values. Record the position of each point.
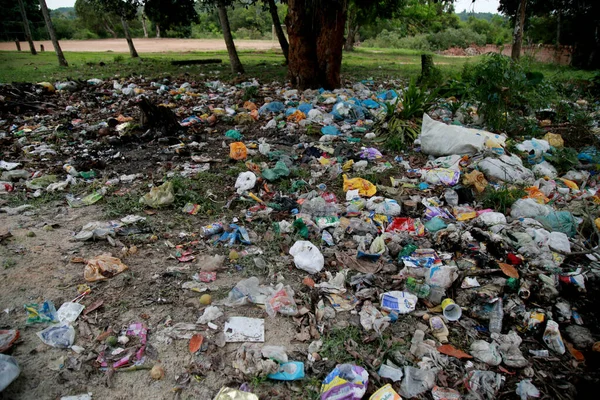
(459, 5)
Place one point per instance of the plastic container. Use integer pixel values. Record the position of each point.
(211, 229)
(289, 371)
(496, 317)
(414, 286)
(553, 339)
(451, 310)
(439, 329)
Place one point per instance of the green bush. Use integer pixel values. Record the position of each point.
(84, 35)
(461, 37)
(505, 89)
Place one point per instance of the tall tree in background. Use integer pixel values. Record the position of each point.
(364, 11)
(126, 10)
(26, 27)
(61, 57)
(167, 14)
(579, 25)
(278, 29)
(519, 30)
(95, 18)
(316, 33)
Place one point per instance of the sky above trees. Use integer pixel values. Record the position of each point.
(460, 5)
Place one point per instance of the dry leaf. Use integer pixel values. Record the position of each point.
(509, 270)
(452, 351)
(196, 343)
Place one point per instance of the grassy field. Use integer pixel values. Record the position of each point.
(379, 64)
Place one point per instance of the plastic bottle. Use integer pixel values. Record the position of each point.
(553, 339)
(439, 329)
(211, 229)
(417, 288)
(496, 317)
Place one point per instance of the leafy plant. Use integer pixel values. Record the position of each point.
(250, 92)
(501, 199)
(401, 122)
(563, 159)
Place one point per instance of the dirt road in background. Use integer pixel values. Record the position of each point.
(146, 45)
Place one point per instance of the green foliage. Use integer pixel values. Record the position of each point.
(401, 123)
(563, 159)
(503, 88)
(250, 93)
(462, 37)
(501, 199)
(442, 40)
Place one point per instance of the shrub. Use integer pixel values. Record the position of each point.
(85, 34)
(461, 37)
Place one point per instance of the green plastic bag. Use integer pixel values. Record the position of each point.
(276, 172)
(159, 196)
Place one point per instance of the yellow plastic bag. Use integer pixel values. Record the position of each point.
(476, 179)
(570, 184)
(103, 267)
(597, 222)
(365, 188)
(554, 139)
(238, 151)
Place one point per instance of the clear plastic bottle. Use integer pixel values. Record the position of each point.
(496, 317)
(420, 289)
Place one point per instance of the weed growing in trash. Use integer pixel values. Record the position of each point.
(196, 191)
(501, 199)
(334, 344)
(8, 263)
(118, 206)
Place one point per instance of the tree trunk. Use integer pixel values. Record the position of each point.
(132, 51)
(144, 26)
(61, 57)
(18, 44)
(26, 28)
(109, 29)
(427, 67)
(518, 33)
(236, 64)
(157, 31)
(316, 34)
(278, 29)
(558, 28)
(352, 30)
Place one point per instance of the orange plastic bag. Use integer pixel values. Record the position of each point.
(103, 267)
(296, 116)
(238, 151)
(535, 193)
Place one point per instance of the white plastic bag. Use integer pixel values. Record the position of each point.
(505, 168)
(544, 169)
(245, 181)
(528, 208)
(380, 205)
(9, 370)
(439, 139)
(307, 256)
(492, 218)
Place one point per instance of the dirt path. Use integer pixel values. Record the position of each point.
(147, 45)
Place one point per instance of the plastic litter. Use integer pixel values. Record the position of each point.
(245, 181)
(346, 381)
(233, 394)
(526, 389)
(385, 393)
(416, 381)
(60, 335)
(9, 370)
(159, 196)
(242, 329)
(307, 256)
(103, 267)
(288, 371)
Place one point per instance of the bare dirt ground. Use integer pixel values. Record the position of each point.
(148, 45)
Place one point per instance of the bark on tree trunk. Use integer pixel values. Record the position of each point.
(352, 30)
(144, 26)
(26, 28)
(236, 64)
(109, 29)
(132, 50)
(426, 66)
(518, 33)
(61, 57)
(316, 34)
(278, 29)
(157, 31)
(18, 44)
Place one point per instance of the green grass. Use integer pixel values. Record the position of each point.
(363, 63)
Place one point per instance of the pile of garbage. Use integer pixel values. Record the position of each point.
(467, 265)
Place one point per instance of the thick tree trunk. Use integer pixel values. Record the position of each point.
(109, 29)
(278, 29)
(61, 57)
(236, 64)
(144, 26)
(519, 28)
(427, 66)
(157, 31)
(132, 50)
(26, 28)
(316, 34)
(18, 44)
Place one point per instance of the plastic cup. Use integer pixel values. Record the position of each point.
(451, 310)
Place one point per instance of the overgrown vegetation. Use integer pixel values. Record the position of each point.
(502, 199)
